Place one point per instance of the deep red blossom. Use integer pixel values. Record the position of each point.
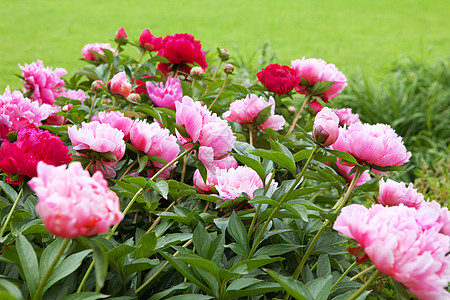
(181, 49)
(278, 79)
(20, 158)
(149, 42)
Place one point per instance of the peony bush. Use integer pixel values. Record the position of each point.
(161, 175)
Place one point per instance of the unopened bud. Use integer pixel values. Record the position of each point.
(228, 69)
(66, 107)
(197, 73)
(121, 37)
(96, 84)
(134, 97)
(224, 54)
(292, 109)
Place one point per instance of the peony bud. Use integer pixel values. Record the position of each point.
(66, 107)
(134, 97)
(326, 127)
(224, 54)
(292, 110)
(121, 36)
(97, 84)
(197, 73)
(119, 85)
(228, 69)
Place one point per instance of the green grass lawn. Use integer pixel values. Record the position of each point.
(348, 33)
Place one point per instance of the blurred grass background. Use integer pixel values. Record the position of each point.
(348, 33)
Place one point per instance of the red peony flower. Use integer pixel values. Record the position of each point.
(278, 79)
(181, 49)
(20, 158)
(149, 42)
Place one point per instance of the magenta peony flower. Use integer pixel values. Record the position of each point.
(346, 117)
(315, 70)
(372, 144)
(17, 112)
(72, 203)
(120, 85)
(344, 171)
(167, 95)
(121, 37)
(154, 140)
(150, 42)
(181, 50)
(402, 242)
(232, 182)
(79, 94)
(246, 110)
(20, 159)
(96, 47)
(100, 138)
(278, 79)
(211, 176)
(42, 82)
(117, 120)
(393, 193)
(326, 127)
(204, 128)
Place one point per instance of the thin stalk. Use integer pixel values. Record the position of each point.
(365, 286)
(215, 72)
(11, 212)
(91, 110)
(343, 275)
(50, 269)
(362, 273)
(307, 98)
(128, 170)
(220, 92)
(275, 209)
(138, 63)
(159, 218)
(111, 65)
(250, 133)
(90, 164)
(139, 192)
(183, 170)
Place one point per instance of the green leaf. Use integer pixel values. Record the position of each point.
(321, 87)
(298, 210)
(295, 288)
(276, 249)
(11, 289)
(252, 163)
(142, 160)
(256, 262)
(101, 265)
(237, 230)
(264, 200)
(178, 189)
(262, 116)
(202, 241)
(161, 187)
(349, 293)
(171, 239)
(28, 262)
(320, 288)
(85, 296)
(190, 297)
(277, 157)
(120, 251)
(345, 156)
(48, 255)
(179, 287)
(302, 154)
(323, 266)
(146, 245)
(140, 264)
(10, 192)
(234, 291)
(389, 168)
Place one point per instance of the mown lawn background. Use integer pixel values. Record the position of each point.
(349, 33)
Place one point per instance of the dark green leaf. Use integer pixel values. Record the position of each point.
(321, 87)
(11, 289)
(295, 288)
(145, 245)
(258, 288)
(344, 155)
(302, 154)
(276, 249)
(298, 210)
(320, 288)
(277, 157)
(323, 266)
(179, 287)
(202, 241)
(256, 262)
(252, 163)
(262, 116)
(85, 296)
(101, 265)
(237, 230)
(29, 263)
(140, 264)
(161, 187)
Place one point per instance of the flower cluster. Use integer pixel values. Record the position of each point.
(88, 50)
(167, 95)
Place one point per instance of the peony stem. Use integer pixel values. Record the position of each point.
(275, 209)
(90, 164)
(128, 170)
(307, 98)
(50, 269)
(139, 192)
(91, 110)
(220, 92)
(159, 218)
(183, 170)
(343, 275)
(215, 72)
(112, 63)
(365, 286)
(250, 133)
(138, 63)
(362, 273)
(11, 212)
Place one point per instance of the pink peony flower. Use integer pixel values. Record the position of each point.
(100, 138)
(167, 95)
(315, 70)
(156, 141)
(315, 106)
(393, 193)
(278, 79)
(42, 82)
(211, 176)
(402, 242)
(79, 94)
(150, 42)
(204, 128)
(246, 110)
(17, 112)
(20, 159)
(181, 50)
(72, 203)
(326, 127)
(117, 120)
(120, 85)
(96, 47)
(346, 117)
(344, 171)
(232, 182)
(372, 144)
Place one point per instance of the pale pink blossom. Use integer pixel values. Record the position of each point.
(232, 183)
(372, 144)
(402, 242)
(247, 109)
(165, 95)
(120, 85)
(72, 203)
(117, 120)
(211, 176)
(100, 138)
(393, 193)
(204, 128)
(346, 117)
(42, 81)
(17, 112)
(96, 47)
(79, 94)
(315, 70)
(154, 140)
(326, 127)
(344, 171)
